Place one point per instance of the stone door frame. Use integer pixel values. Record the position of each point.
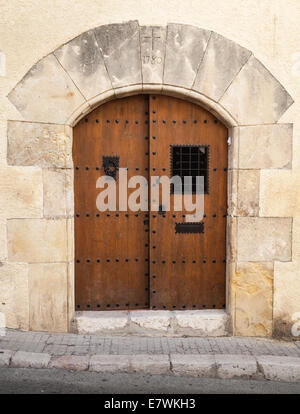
(179, 60)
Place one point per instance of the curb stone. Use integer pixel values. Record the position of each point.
(71, 362)
(142, 363)
(279, 368)
(236, 366)
(5, 357)
(193, 365)
(110, 363)
(150, 364)
(22, 359)
(261, 367)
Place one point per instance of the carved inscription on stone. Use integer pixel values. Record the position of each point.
(152, 51)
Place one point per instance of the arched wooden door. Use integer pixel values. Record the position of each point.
(138, 260)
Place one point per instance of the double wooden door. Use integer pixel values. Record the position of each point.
(149, 259)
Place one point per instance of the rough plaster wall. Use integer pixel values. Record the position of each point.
(31, 29)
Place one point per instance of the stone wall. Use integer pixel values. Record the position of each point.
(208, 61)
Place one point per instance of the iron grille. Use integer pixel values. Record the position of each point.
(190, 160)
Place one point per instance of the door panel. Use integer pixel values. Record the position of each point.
(111, 248)
(187, 271)
(122, 255)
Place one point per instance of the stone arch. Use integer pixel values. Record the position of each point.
(202, 66)
(118, 59)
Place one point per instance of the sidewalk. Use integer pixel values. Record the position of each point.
(222, 357)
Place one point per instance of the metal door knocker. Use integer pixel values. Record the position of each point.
(110, 165)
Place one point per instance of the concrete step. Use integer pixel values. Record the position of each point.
(201, 323)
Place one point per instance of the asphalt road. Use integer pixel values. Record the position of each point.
(52, 381)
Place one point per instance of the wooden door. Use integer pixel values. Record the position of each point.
(135, 260)
(111, 248)
(187, 269)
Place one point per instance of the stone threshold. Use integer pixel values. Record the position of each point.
(198, 323)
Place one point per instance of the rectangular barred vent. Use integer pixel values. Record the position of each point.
(190, 160)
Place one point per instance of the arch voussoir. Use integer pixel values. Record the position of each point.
(185, 48)
(83, 61)
(120, 47)
(46, 93)
(255, 96)
(222, 61)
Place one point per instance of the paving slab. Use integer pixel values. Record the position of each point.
(64, 343)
